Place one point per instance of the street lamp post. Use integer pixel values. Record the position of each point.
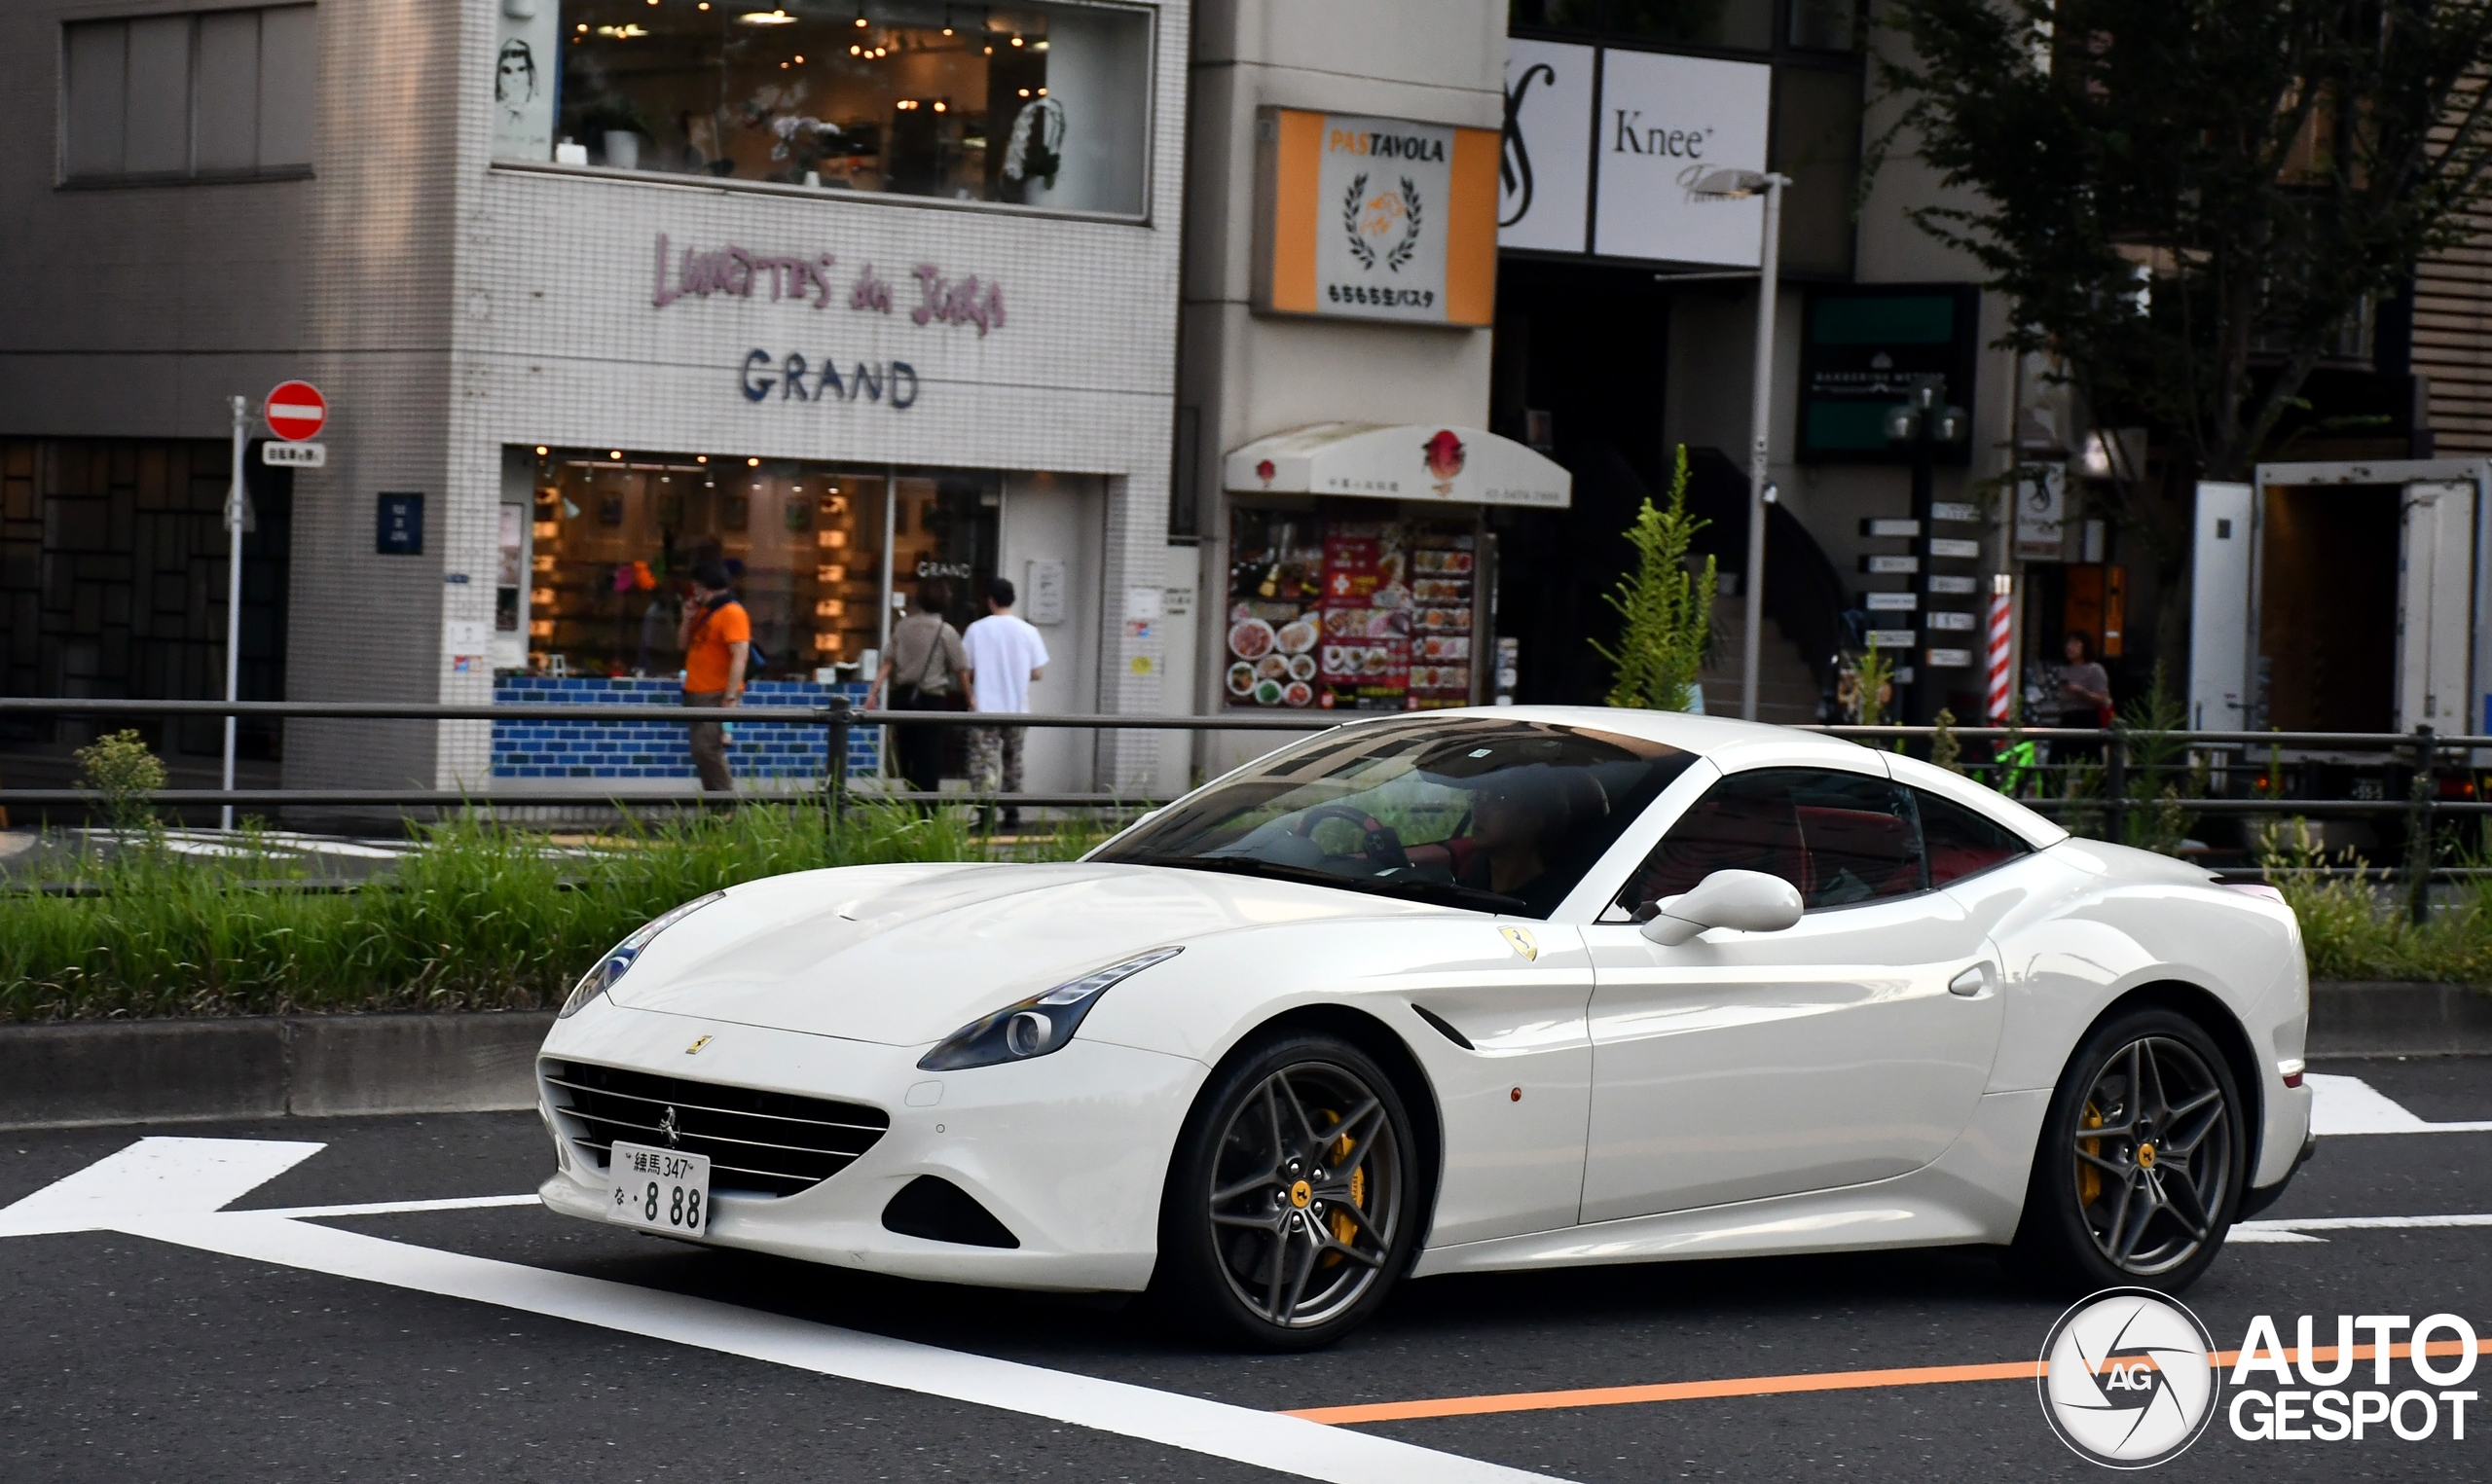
(1735, 185)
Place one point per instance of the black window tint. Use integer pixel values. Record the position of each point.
(1962, 843)
(1862, 838)
(1745, 822)
(1839, 837)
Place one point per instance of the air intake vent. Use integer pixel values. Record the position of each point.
(758, 1142)
(938, 1211)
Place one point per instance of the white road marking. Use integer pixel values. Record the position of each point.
(394, 1207)
(151, 1179)
(2258, 1233)
(171, 1191)
(2341, 1105)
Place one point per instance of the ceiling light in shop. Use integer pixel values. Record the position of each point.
(939, 107)
(767, 18)
(540, 451)
(625, 32)
(1016, 41)
(1038, 46)
(614, 454)
(1025, 92)
(701, 458)
(752, 463)
(856, 50)
(1043, 92)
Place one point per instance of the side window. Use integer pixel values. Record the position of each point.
(1745, 822)
(1960, 842)
(1839, 837)
(1860, 835)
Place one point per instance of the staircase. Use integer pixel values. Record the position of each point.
(1786, 688)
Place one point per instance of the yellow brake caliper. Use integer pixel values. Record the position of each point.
(1343, 1227)
(2089, 1180)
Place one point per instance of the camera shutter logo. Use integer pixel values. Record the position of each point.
(2128, 1378)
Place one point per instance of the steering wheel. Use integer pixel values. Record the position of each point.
(1379, 844)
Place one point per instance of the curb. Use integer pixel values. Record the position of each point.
(2386, 1018)
(85, 1074)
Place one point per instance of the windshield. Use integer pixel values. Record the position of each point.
(1479, 812)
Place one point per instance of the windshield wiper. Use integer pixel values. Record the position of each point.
(1444, 893)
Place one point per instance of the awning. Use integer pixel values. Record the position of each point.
(1400, 461)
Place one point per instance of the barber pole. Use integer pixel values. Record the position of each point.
(2003, 589)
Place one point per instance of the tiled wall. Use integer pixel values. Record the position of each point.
(660, 750)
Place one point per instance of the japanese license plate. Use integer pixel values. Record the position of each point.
(659, 1190)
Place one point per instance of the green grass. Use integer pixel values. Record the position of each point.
(481, 917)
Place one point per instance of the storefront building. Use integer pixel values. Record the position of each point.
(1335, 474)
(851, 299)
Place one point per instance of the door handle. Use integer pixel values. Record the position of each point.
(1971, 982)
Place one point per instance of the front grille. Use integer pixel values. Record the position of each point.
(768, 1143)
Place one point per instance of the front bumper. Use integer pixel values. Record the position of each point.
(1069, 1150)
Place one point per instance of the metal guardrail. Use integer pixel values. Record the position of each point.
(835, 720)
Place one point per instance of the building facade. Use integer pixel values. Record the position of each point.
(847, 298)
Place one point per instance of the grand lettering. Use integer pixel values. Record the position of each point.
(797, 380)
(1631, 137)
(1359, 141)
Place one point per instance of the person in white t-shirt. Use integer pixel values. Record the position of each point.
(1005, 656)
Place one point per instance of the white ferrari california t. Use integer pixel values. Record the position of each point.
(1455, 992)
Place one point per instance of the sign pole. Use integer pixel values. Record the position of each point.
(234, 498)
(1760, 431)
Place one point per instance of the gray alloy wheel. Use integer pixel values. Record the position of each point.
(2154, 1155)
(1307, 1193)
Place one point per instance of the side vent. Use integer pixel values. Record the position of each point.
(938, 1211)
(1444, 1027)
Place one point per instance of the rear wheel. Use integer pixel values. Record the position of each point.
(2141, 1163)
(1289, 1206)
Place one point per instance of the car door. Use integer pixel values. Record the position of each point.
(1743, 1064)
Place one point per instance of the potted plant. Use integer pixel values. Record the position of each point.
(621, 128)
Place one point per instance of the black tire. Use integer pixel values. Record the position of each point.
(2130, 1190)
(1292, 1201)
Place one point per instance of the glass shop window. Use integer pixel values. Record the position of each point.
(1040, 104)
(1744, 23)
(1369, 615)
(946, 530)
(617, 537)
(218, 95)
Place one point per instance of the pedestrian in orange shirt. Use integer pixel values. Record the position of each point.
(717, 635)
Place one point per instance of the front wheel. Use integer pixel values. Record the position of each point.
(2140, 1164)
(1290, 1207)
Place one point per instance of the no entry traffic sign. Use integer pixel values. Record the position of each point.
(296, 410)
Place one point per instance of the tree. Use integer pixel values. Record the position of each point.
(1665, 609)
(2184, 201)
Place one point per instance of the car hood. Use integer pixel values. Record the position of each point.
(907, 954)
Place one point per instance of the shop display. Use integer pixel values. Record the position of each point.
(1354, 615)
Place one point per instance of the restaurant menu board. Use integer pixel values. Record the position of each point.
(1352, 615)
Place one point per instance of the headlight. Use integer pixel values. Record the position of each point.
(1038, 1024)
(616, 964)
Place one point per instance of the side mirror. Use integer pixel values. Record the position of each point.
(1748, 900)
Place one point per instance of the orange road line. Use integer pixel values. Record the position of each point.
(1759, 1386)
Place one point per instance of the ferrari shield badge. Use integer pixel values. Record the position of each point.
(694, 1049)
(1521, 940)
